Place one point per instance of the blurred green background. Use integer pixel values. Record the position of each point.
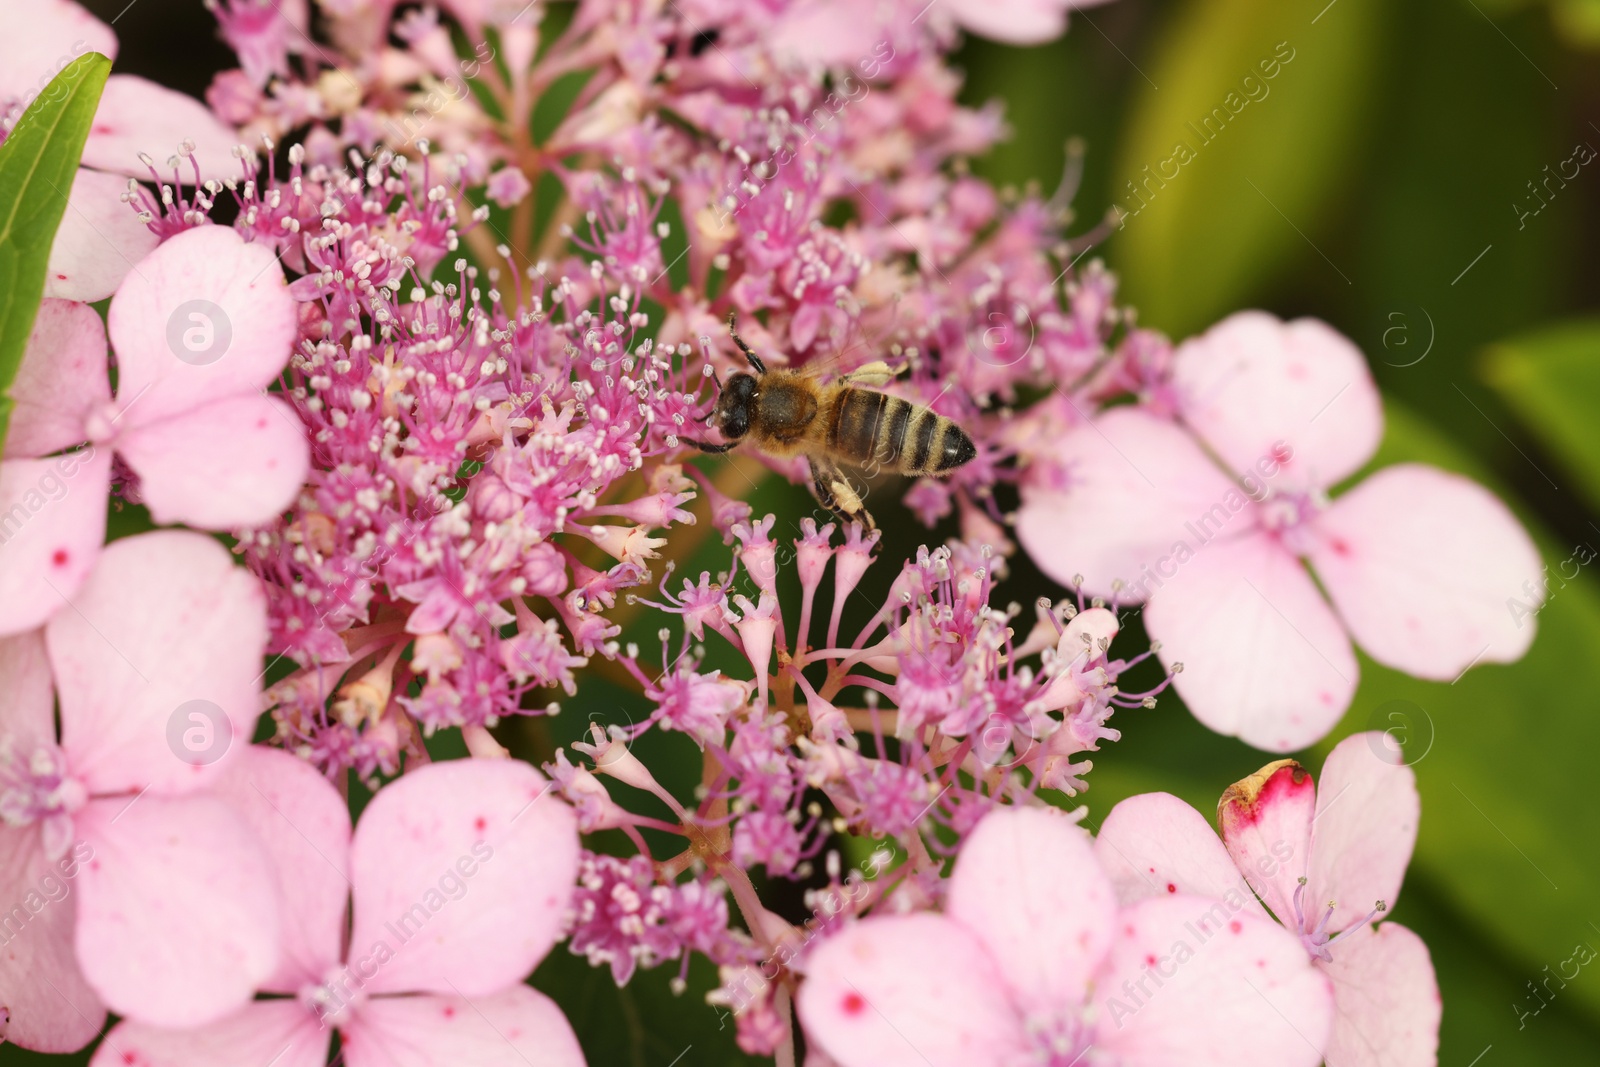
(1395, 179)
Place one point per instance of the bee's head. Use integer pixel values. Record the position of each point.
(736, 406)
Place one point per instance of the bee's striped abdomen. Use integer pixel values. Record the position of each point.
(874, 427)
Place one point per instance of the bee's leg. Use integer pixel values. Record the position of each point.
(707, 446)
(755, 360)
(834, 492)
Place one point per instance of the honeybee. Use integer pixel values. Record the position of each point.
(789, 413)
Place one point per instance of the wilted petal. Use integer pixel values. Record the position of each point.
(1386, 1000)
(1179, 988)
(49, 1004)
(1155, 845)
(268, 1033)
(205, 316)
(908, 991)
(62, 380)
(52, 524)
(100, 239)
(1027, 884)
(1264, 658)
(137, 115)
(1365, 828)
(178, 917)
(1430, 571)
(158, 664)
(515, 1027)
(1294, 397)
(239, 461)
(1135, 486)
(303, 824)
(462, 870)
(1266, 826)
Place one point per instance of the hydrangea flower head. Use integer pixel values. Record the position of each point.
(171, 917)
(1210, 518)
(1327, 863)
(1033, 962)
(456, 882)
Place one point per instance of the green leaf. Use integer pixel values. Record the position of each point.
(1551, 379)
(1232, 152)
(37, 164)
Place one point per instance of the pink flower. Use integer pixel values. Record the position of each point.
(202, 326)
(158, 905)
(1033, 962)
(456, 880)
(1419, 563)
(1327, 868)
(101, 236)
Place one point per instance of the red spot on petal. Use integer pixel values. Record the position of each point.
(853, 1004)
(480, 824)
(261, 424)
(1150, 960)
(1130, 930)
(102, 129)
(449, 1012)
(61, 277)
(60, 557)
(1236, 926)
(1171, 888)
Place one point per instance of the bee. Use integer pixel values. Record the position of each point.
(789, 413)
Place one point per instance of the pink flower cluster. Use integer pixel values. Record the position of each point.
(422, 318)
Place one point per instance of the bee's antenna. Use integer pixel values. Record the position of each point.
(733, 332)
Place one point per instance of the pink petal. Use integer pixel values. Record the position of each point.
(266, 1033)
(304, 825)
(177, 914)
(28, 708)
(158, 664)
(62, 380)
(1155, 845)
(1386, 1000)
(1266, 825)
(1028, 886)
(488, 831)
(52, 523)
(136, 115)
(1023, 22)
(41, 39)
(1291, 401)
(1264, 658)
(1136, 484)
(51, 1007)
(205, 316)
(99, 241)
(239, 461)
(1425, 567)
(515, 1027)
(1365, 828)
(1182, 986)
(908, 991)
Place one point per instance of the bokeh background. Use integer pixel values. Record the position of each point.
(1408, 177)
